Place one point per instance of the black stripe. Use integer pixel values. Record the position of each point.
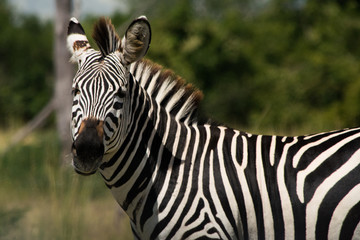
(162, 224)
(315, 151)
(250, 175)
(117, 155)
(196, 215)
(175, 168)
(239, 149)
(198, 228)
(75, 113)
(350, 223)
(152, 196)
(331, 200)
(234, 181)
(136, 160)
(330, 165)
(219, 185)
(272, 186)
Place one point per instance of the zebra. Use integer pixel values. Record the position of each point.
(135, 123)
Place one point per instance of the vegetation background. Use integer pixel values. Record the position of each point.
(270, 67)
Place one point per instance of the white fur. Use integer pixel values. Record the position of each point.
(72, 38)
(73, 19)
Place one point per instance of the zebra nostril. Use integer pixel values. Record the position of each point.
(87, 151)
(89, 144)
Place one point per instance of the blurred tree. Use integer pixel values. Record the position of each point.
(26, 69)
(64, 73)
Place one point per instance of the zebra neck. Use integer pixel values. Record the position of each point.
(147, 151)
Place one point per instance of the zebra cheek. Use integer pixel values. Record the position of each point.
(73, 128)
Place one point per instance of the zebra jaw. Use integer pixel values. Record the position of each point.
(84, 169)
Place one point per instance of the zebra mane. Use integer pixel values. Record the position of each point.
(105, 36)
(169, 90)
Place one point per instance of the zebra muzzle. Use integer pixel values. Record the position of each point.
(88, 148)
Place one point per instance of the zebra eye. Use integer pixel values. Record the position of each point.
(75, 91)
(121, 93)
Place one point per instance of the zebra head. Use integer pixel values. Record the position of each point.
(100, 87)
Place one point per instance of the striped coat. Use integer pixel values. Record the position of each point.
(135, 123)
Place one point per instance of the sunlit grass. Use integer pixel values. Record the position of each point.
(42, 199)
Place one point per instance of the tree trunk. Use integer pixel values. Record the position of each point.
(63, 75)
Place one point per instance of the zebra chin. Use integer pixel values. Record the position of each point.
(87, 162)
(86, 168)
(85, 174)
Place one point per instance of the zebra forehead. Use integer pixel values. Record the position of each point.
(99, 87)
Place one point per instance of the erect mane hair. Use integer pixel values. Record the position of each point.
(105, 36)
(169, 90)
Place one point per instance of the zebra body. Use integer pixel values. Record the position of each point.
(178, 179)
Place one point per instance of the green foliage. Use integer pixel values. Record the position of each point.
(263, 67)
(280, 69)
(25, 64)
(9, 220)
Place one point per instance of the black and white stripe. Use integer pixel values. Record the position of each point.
(177, 179)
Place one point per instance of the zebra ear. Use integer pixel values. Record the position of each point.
(136, 41)
(76, 40)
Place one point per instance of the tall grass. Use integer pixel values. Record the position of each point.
(43, 199)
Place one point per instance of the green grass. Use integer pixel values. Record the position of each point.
(43, 199)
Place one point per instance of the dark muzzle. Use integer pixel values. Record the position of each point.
(88, 148)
